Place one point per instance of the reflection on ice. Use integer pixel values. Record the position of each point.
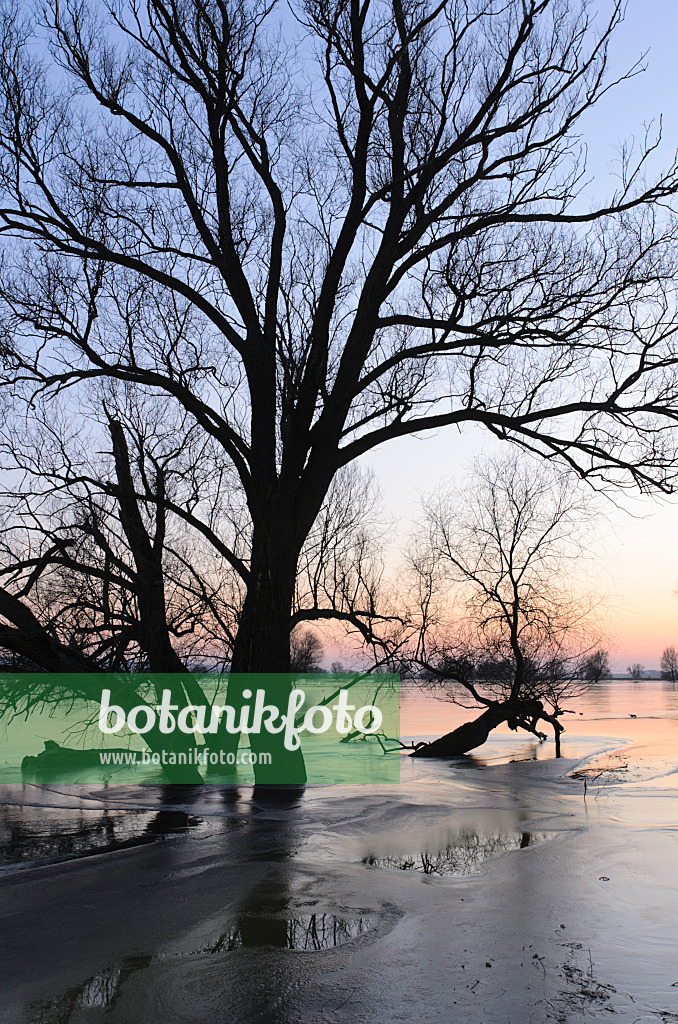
(100, 992)
(462, 855)
(97, 993)
(307, 932)
(30, 835)
(218, 921)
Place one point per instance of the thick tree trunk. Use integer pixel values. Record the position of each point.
(263, 646)
(466, 737)
(150, 589)
(263, 640)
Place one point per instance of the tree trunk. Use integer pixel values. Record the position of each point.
(522, 714)
(263, 640)
(263, 646)
(29, 639)
(466, 737)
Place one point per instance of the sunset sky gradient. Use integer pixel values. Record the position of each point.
(638, 540)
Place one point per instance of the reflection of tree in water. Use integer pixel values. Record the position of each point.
(29, 833)
(460, 857)
(171, 819)
(275, 912)
(98, 992)
(101, 991)
(55, 833)
(308, 931)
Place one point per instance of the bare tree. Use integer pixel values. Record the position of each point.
(72, 534)
(636, 671)
(596, 666)
(306, 651)
(669, 664)
(501, 624)
(102, 536)
(309, 263)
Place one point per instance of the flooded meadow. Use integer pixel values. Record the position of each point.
(505, 886)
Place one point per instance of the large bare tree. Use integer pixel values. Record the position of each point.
(318, 230)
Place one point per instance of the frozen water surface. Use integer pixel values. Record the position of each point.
(489, 889)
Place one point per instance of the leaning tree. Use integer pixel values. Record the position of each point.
(369, 218)
(505, 619)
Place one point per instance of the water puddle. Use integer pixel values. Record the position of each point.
(306, 932)
(96, 994)
(30, 837)
(95, 997)
(461, 855)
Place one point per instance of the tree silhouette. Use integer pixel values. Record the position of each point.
(596, 666)
(501, 625)
(306, 652)
(669, 664)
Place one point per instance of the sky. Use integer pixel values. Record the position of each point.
(637, 545)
